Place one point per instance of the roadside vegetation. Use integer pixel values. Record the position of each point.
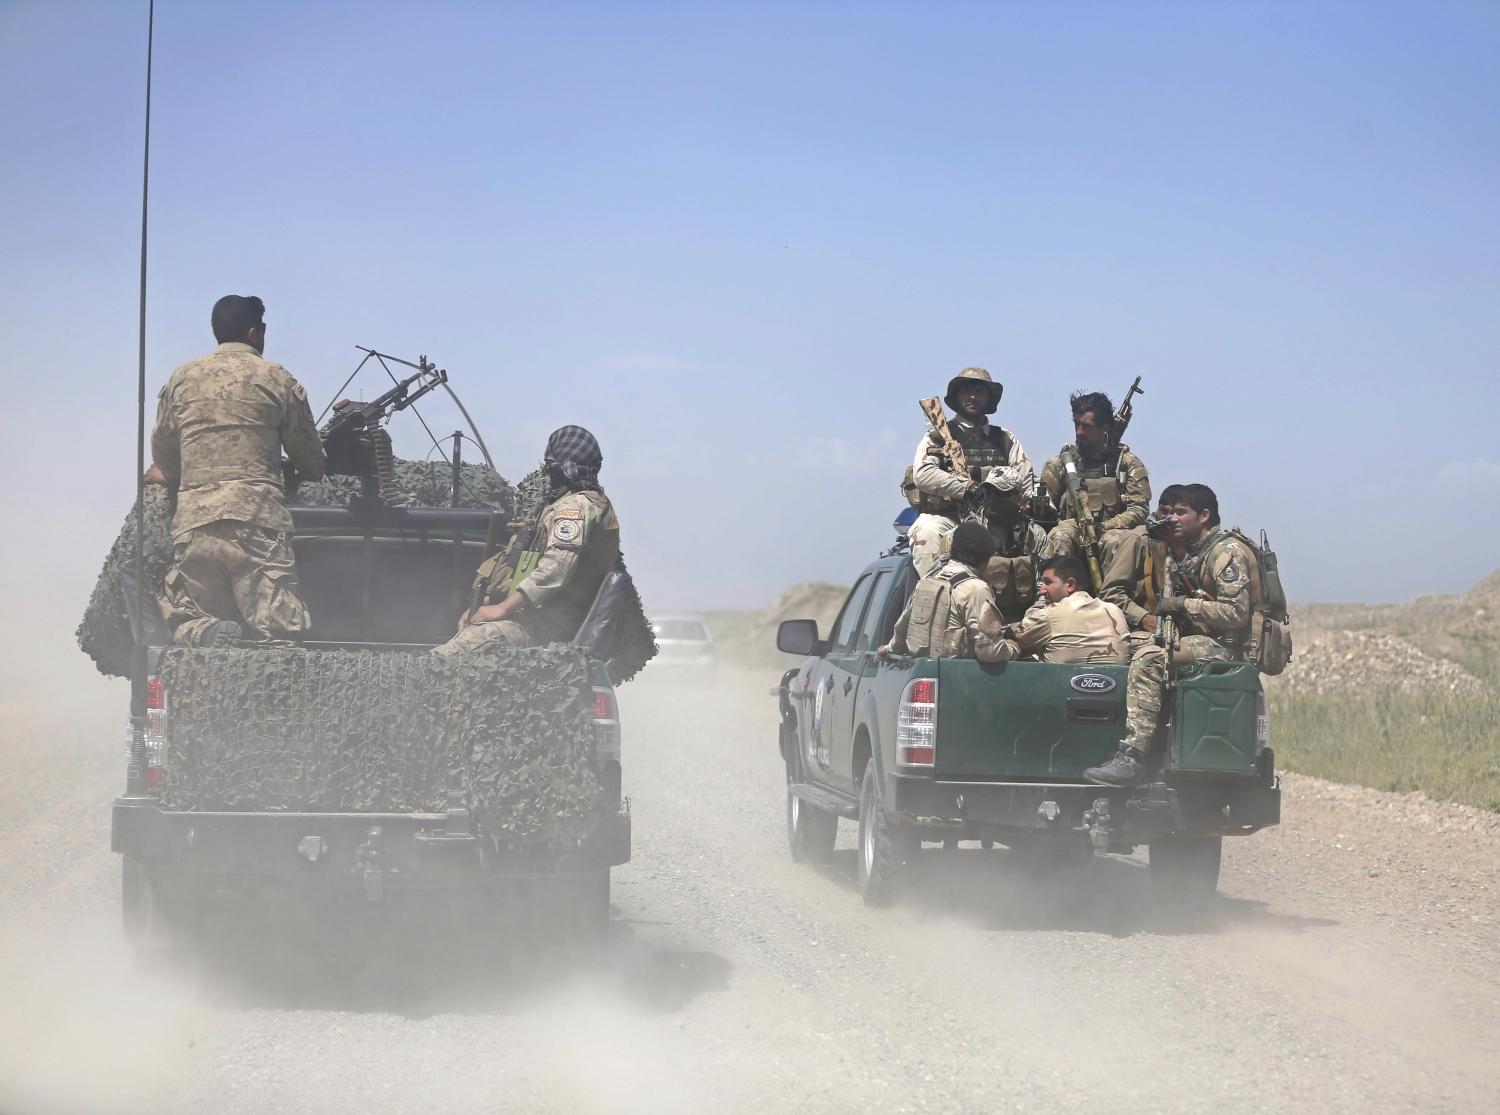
(1444, 745)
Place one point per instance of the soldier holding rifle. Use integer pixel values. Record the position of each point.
(953, 458)
(1103, 492)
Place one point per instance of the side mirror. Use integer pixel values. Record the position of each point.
(798, 636)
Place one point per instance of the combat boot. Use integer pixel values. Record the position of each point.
(1127, 768)
(221, 635)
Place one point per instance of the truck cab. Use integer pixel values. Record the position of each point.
(920, 750)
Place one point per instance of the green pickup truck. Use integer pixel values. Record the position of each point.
(942, 750)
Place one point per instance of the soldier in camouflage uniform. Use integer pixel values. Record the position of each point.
(1117, 490)
(576, 544)
(1013, 570)
(943, 496)
(221, 423)
(1213, 616)
(951, 613)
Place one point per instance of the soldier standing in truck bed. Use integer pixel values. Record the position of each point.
(1117, 491)
(943, 495)
(221, 423)
(542, 592)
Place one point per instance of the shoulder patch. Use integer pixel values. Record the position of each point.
(572, 511)
(1233, 570)
(568, 529)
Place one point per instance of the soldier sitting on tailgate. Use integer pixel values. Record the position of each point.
(944, 496)
(1117, 490)
(951, 613)
(1068, 624)
(1012, 571)
(221, 423)
(1212, 614)
(541, 591)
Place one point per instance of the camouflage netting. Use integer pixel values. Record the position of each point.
(104, 633)
(320, 731)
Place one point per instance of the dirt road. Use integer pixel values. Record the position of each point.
(1352, 964)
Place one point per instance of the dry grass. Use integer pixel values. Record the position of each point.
(1448, 747)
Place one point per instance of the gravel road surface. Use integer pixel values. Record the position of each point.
(1351, 964)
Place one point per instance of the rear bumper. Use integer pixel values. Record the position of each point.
(347, 850)
(1228, 806)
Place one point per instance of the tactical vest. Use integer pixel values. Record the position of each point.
(927, 630)
(1101, 483)
(984, 447)
(1011, 573)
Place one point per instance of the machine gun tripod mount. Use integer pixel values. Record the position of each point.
(355, 440)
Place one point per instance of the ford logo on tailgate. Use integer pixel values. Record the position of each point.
(1092, 683)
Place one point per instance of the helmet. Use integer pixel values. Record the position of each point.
(996, 389)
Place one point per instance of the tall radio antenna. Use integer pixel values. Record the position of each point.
(136, 774)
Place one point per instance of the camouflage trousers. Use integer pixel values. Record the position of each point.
(235, 571)
(929, 536)
(489, 636)
(1146, 685)
(1122, 560)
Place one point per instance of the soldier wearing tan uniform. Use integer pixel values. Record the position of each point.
(951, 613)
(1213, 616)
(1117, 489)
(221, 423)
(1068, 624)
(575, 545)
(943, 496)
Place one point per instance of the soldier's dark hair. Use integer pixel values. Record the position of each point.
(1170, 495)
(1093, 402)
(972, 544)
(1066, 567)
(1200, 497)
(235, 315)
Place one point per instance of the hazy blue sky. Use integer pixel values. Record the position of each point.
(740, 241)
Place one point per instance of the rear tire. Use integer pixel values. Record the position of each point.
(1185, 870)
(885, 845)
(810, 831)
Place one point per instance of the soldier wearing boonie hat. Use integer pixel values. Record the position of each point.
(943, 495)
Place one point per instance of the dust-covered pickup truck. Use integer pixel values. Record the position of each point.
(357, 766)
(942, 750)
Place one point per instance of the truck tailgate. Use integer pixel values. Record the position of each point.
(1027, 720)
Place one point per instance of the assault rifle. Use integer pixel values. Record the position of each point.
(357, 445)
(505, 569)
(1125, 413)
(933, 409)
(1167, 635)
(1076, 505)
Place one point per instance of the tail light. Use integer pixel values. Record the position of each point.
(916, 724)
(1262, 724)
(606, 722)
(156, 733)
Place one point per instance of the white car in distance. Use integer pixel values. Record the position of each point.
(685, 647)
